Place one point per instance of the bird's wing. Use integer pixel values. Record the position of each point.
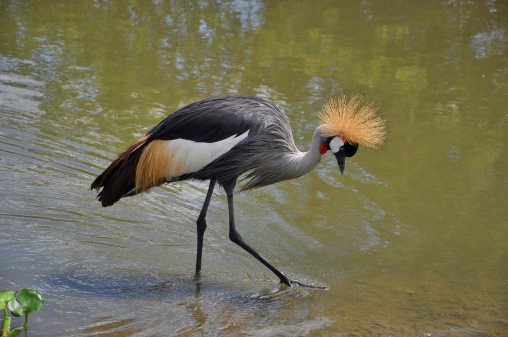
(269, 138)
(197, 135)
(212, 120)
(192, 138)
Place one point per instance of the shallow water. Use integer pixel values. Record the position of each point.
(412, 240)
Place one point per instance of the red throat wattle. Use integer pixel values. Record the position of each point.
(323, 148)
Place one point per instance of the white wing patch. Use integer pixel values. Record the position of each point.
(188, 156)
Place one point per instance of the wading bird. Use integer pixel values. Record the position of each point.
(234, 139)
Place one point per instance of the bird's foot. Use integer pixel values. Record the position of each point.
(312, 286)
(291, 283)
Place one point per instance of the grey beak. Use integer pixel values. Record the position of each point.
(341, 159)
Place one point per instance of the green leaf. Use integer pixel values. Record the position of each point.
(15, 308)
(30, 300)
(5, 297)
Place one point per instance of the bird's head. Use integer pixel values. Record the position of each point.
(347, 123)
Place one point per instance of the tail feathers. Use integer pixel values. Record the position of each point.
(120, 177)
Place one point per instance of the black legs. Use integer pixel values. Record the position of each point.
(236, 238)
(201, 225)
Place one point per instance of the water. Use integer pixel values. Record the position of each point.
(411, 241)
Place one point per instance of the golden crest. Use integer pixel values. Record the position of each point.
(352, 120)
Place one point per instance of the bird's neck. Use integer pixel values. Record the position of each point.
(304, 162)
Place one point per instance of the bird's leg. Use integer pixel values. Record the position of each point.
(236, 238)
(201, 225)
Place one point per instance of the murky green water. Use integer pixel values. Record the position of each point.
(413, 240)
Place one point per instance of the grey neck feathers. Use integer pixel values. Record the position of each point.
(304, 162)
(278, 167)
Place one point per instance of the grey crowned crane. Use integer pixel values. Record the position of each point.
(234, 139)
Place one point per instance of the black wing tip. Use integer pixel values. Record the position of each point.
(97, 183)
(105, 202)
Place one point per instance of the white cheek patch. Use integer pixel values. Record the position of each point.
(336, 144)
